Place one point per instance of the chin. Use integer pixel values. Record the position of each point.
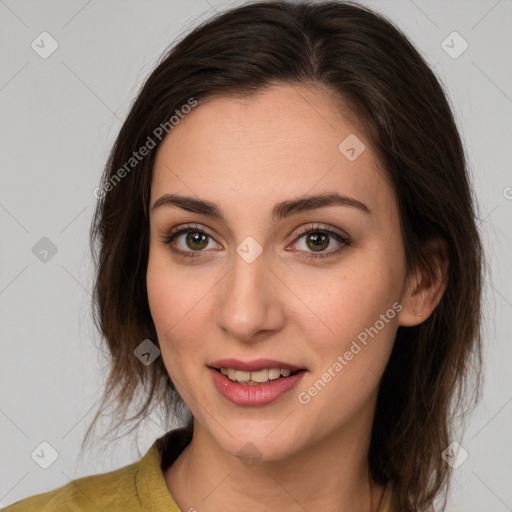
(255, 441)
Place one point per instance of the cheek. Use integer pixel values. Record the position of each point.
(173, 293)
(360, 307)
(351, 360)
(352, 299)
(179, 300)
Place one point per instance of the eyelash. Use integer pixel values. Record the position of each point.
(168, 239)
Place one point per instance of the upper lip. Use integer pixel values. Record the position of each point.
(252, 366)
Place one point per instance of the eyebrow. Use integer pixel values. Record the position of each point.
(279, 211)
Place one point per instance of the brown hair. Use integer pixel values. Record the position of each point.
(375, 72)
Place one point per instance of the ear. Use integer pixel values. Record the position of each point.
(424, 289)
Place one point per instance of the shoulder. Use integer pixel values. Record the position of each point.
(137, 487)
(106, 492)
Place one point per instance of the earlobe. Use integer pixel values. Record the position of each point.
(426, 285)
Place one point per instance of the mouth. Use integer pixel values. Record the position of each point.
(255, 373)
(261, 377)
(254, 383)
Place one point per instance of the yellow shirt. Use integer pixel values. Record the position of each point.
(138, 487)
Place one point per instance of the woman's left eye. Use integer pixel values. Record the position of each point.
(316, 239)
(319, 239)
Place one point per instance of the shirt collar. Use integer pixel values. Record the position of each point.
(152, 490)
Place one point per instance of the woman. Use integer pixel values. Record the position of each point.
(287, 245)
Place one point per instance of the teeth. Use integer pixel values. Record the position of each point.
(260, 376)
(274, 373)
(242, 376)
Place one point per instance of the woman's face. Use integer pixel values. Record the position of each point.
(252, 289)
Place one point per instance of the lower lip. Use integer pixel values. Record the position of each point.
(252, 395)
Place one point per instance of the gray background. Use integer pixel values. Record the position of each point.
(59, 117)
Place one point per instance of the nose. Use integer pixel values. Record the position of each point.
(251, 301)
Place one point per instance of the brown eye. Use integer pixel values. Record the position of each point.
(189, 241)
(196, 240)
(317, 241)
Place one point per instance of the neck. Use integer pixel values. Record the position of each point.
(331, 475)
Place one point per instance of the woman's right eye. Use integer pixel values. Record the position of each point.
(192, 244)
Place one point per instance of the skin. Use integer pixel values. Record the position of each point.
(246, 155)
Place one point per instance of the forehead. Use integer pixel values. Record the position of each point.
(283, 141)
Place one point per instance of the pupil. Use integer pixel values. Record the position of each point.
(196, 239)
(318, 240)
